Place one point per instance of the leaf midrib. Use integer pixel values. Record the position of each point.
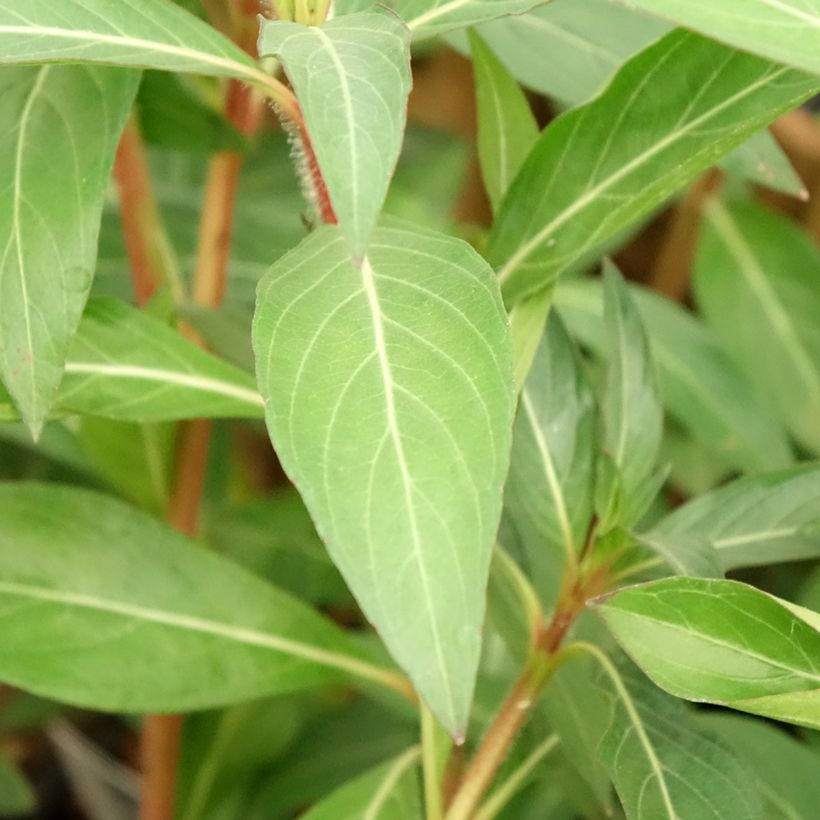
(191, 623)
(377, 320)
(93, 38)
(205, 384)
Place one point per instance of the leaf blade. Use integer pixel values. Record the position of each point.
(571, 195)
(88, 624)
(352, 77)
(50, 239)
(411, 455)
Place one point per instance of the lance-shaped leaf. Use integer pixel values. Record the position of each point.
(702, 388)
(549, 488)
(126, 365)
(784, 30)
(662, 763)
(143, 33)
(761, 160)
(785, 768)
(388, 792)
(96, 597)
(352, 78)
(633, 416)
(763, 519)
(668, 114)
(60, 130)
(507, 128)
(428, 18)
(768, 270)
(389, 400)
(721, 642)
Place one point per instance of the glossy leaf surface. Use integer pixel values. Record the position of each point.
(602, 166)
(721, 642)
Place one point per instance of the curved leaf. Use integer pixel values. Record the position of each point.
(389, 401)
(61, 125)
(721, 642)
(96, 599)
(126, 365)
(143, 33)
(603, 166)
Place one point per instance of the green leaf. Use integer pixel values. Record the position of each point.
(389, 401)
(174, 114)
(143, 33)
(758, 520)
(62, 124)
(762, 161)
(603, 166)
(388, 792)
(507, 128)
(95, 597)
(275, 539)
(549, 488)
(663, 764)
(785, 768)
(136, 460)
(721, 642)
(568, 50)
(352, 78)
(126, 365)
(633, 416)
(768, 270)
(428, 18)
(16, 796)
(787, 31)
(702, 388)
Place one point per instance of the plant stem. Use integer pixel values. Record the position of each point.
(160, 749)
(149, 250)
(501, 734)
(430, 765)
(507, 790)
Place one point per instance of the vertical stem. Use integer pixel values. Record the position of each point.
(160, 749)
(499, 738)
(430, 765)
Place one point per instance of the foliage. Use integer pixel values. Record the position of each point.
(524, 513)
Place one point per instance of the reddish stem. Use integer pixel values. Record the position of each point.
(138, 211)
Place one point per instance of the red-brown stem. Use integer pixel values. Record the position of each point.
(496, 743)
(140, 219)
(160, 751)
